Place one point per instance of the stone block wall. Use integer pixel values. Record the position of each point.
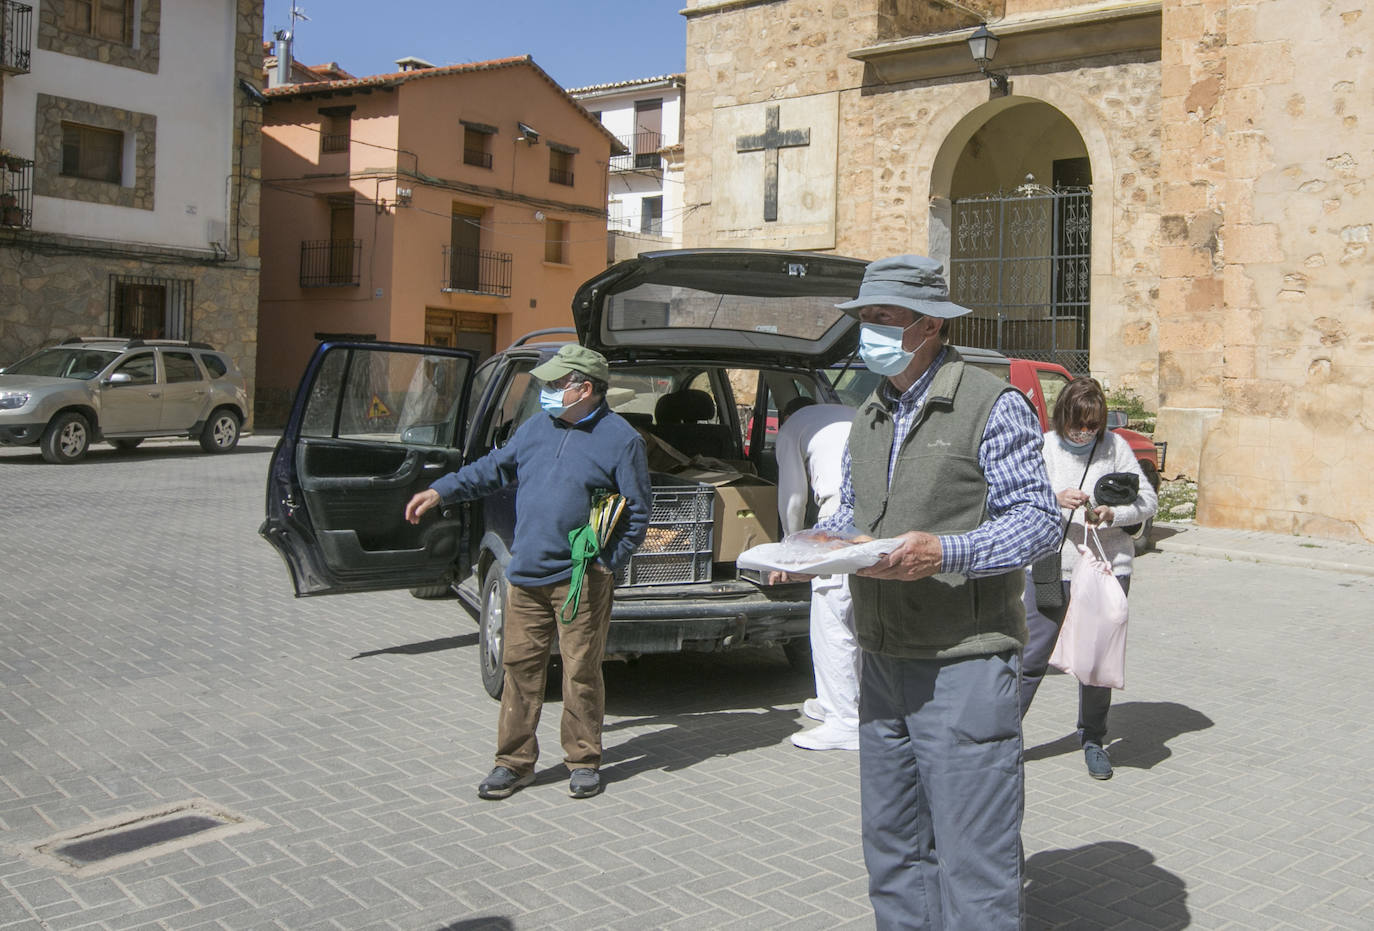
(1266, 337)
(897, 145)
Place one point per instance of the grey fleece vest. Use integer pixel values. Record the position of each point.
(937, 487)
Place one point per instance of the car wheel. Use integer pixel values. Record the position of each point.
(491, 640)
(125, 445)
(221, 433)
(66, 440)
(798, 653)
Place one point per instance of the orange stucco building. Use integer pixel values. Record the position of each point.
(455, 206)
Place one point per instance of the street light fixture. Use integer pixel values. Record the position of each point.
(982, 45)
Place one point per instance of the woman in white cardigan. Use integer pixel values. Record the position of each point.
(1078, 452)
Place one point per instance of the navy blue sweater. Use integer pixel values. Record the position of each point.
(557, 467)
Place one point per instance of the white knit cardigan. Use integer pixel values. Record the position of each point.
(1113, 454)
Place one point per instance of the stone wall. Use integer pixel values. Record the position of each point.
(1266, 333)
(898, 145)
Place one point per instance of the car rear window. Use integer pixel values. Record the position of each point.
(180, 367)
(214, 365)
(660, 306)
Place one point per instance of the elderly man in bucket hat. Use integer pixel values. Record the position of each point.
(558, 464)
(947, 459)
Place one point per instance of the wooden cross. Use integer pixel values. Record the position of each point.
(769, 142)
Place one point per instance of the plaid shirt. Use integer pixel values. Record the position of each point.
(1023, 517)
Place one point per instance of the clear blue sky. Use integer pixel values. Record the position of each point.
(578, 42)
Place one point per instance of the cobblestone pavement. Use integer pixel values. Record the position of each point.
(151, 654)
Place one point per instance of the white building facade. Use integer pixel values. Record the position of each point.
(137, 131)
(644, 202)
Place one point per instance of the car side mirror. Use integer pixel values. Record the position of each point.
(424, 435)
(119, 378)
(1116, 420)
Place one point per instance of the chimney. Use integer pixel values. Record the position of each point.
(283, 71)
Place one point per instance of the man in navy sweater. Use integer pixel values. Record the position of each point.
(558, 463)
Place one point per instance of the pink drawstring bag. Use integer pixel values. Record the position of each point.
(1092, 641)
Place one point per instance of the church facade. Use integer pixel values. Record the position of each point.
(1171, 196)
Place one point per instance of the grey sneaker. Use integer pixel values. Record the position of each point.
(1099, 764)
(502, 782)
(585, 783)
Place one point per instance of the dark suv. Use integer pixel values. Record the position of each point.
(701, 343)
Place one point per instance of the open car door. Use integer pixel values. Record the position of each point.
(371, 425)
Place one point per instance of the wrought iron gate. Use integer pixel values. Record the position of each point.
(1021, 263)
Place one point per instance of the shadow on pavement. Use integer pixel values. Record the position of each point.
(1144, 729)
(680, 740)
(689, 683)
(1101, 885)
(425, 646)
(485, 923)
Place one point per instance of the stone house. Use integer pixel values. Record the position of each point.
(1171, 195)
(130, 180)
(644, 203)
(450, 206)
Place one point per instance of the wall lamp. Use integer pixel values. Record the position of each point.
(982, 45)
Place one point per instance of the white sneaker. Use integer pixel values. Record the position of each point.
(812, 709)
(827, 737)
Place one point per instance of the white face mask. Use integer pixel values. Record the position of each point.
(551, 400)
(881, 347)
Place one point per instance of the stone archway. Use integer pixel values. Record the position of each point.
(950, 132)
(1020, 249)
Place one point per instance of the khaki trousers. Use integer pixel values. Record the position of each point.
(531, 624)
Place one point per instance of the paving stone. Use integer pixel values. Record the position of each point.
(176, 665)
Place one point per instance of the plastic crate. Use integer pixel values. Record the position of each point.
(677, 547)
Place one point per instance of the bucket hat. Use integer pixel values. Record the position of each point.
(911, 281)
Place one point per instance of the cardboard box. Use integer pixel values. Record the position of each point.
(746, 515)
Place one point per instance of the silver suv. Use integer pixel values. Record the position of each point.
(68, 396)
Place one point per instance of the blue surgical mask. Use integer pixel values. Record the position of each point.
(881, 348)
(551, 400)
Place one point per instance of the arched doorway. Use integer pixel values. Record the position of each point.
(1021, 235)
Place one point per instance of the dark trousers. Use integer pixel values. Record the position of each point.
(1094, 701)
(531, 624)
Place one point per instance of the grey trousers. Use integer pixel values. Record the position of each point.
(942, 791)
(1094, 701)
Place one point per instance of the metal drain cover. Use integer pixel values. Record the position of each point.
(129, 838)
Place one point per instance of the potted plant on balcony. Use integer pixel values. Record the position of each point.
(11, 161)
(11, 214)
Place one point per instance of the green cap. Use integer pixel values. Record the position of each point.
(573, 358)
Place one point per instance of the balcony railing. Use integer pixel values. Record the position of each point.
(477, 157)
(16, 192)
(559, 176)
(334, 142)
(331, 263)
(16, 20)
(644, 147)
(476, 271)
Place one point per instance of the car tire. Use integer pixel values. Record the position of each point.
(125, 445)
(442, 590)
(491, 637)
(221, 432)
(66, 439)
(1142, 540)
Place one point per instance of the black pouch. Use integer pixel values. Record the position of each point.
(1116, 489)
(1049, 588)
